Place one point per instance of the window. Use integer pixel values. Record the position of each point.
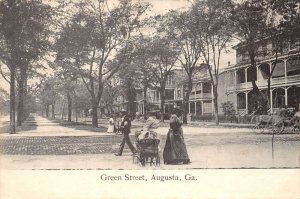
(207, 107)
(179, 93)
(169, 94)
(293, 67)
(170, 80)
(206, 87)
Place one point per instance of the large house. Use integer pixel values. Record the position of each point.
(235, 81)
(200, 102)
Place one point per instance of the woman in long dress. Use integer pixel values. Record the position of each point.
(175, 151)
(111, 126)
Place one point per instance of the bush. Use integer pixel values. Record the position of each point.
(228, 108)
(203, 117)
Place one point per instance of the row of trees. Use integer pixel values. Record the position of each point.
(24, 40)
(97, 50)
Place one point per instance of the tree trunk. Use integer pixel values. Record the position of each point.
(184, 111)
(53, 110)
(162, 102)
(20, 107)
(269, 92)
(215, 101)
(186, 100)
(94, 115)
(21, 95)
(47, 110)
(63, 112)
(269, 79)
(12, 101)
(69, 107)
(145, 103)
(76, 114)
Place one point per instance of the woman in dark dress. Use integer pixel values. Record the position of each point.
(175, 150)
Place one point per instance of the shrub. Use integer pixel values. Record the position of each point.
(228, 108)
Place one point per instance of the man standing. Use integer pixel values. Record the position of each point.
(125, 128)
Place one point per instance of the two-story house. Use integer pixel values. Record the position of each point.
(285, 79)
(200, 102)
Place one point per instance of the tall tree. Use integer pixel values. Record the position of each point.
(250, 19)
(182, 30)
(48, 94)
(163, 55)
(24, 38)
(211, 24)
(67, 83)
(92, 38)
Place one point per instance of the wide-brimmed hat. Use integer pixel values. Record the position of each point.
(123, 110)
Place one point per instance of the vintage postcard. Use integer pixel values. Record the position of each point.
(149, 99)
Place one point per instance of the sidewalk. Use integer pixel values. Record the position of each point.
(44, 127)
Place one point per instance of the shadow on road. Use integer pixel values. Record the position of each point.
(78, 125)
(28, 125)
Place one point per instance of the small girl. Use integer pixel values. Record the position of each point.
(111, 126)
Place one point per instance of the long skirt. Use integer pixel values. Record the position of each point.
(175, 151)
(110, 128)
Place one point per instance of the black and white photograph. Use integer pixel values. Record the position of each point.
(151, 87)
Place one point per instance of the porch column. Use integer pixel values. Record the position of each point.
(246, 79)
(189, 107)
(236, 104)
(195, 89)
(257, 73)
(286, 96)
(271, 100)
(246, 102)
(175, 93)
(158, 96)
(212, 107)
(201, 107)
(235, 77)
(285, 71)
(195, 107)
(270, 64)
(202, 90)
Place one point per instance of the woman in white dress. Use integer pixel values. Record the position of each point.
(111, 126)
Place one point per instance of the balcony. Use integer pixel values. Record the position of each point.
(264, 83)
(292, 79)
(279, 80)
(241, 86)
(207, 95)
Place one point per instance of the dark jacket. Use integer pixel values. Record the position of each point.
(126, 125)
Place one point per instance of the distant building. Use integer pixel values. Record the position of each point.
(200, 102)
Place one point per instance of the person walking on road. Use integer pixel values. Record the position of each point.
(125, 129)
(175, 151)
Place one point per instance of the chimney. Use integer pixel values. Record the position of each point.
(228, 63)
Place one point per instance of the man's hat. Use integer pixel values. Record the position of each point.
(123, 110)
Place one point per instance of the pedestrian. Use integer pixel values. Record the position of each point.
(125, 129)
(149, 128)
(111, 125)
(175, 151)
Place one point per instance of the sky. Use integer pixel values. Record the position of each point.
(161, 7)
